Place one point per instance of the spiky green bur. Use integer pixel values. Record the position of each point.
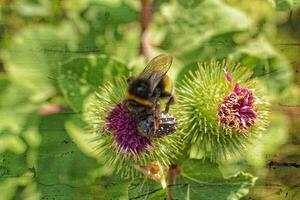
(199, 101)
(162, 150)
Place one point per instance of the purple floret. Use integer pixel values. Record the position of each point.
(123, 125)
(237, 110)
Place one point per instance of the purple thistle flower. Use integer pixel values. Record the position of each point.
(237, 110)
(123, 125)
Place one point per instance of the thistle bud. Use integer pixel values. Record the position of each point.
(221, 113)
(118, 140)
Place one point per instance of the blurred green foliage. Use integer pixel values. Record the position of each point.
(82, 76)
(54, 54)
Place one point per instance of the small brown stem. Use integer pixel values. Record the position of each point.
(173, 171)
(145, 19)
(293, 110)
(274, 164)
(50, 109)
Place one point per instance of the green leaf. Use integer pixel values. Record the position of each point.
(283, 4)
(142, 188)
(203, 180)
(82, 76)
(63, 171)
(103, 25)
(14, 95)
(267, 64)
(76, 129)
(12, 143)
(4, 82)
(16, 177)
(190, 3)
(276, 135)
(114, 12)
(32, 57)
(10, 187)
(208, 29)
(12, 165)
(113, 187)
(19, 140)
(18, 120)
(30, 192)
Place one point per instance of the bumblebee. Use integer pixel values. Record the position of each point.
(144, 93)
(151, 85)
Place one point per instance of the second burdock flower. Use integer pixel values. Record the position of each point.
(222, 110)
(118, 141)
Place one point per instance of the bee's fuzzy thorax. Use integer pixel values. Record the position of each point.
(142, 84)
(140, 96)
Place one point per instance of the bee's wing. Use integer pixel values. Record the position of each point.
(156, 69)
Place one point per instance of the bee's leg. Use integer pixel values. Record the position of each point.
(157, 106)
(156, 115)
(157, 111)
(170, 102)
(156, 123)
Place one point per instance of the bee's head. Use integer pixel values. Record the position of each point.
(140, 88)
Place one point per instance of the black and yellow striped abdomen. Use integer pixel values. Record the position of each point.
(166, 86)
(141, 101)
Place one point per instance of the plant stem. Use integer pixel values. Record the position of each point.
(50, 109)
(173, 171)
(145, 19)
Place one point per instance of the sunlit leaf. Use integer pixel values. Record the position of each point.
(32, 58)
(82, 76)
(203, 180)
(261, 152)
(266, 63)
(283, 4)
(146, 189)
(63, 172)
(208, 29)
(258, 55)
(11, 187)
(76, 129)
(113, 187)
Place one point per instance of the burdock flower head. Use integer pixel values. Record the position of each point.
(118, 141)
(221, 112)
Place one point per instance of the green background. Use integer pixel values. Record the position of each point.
(55, 53)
